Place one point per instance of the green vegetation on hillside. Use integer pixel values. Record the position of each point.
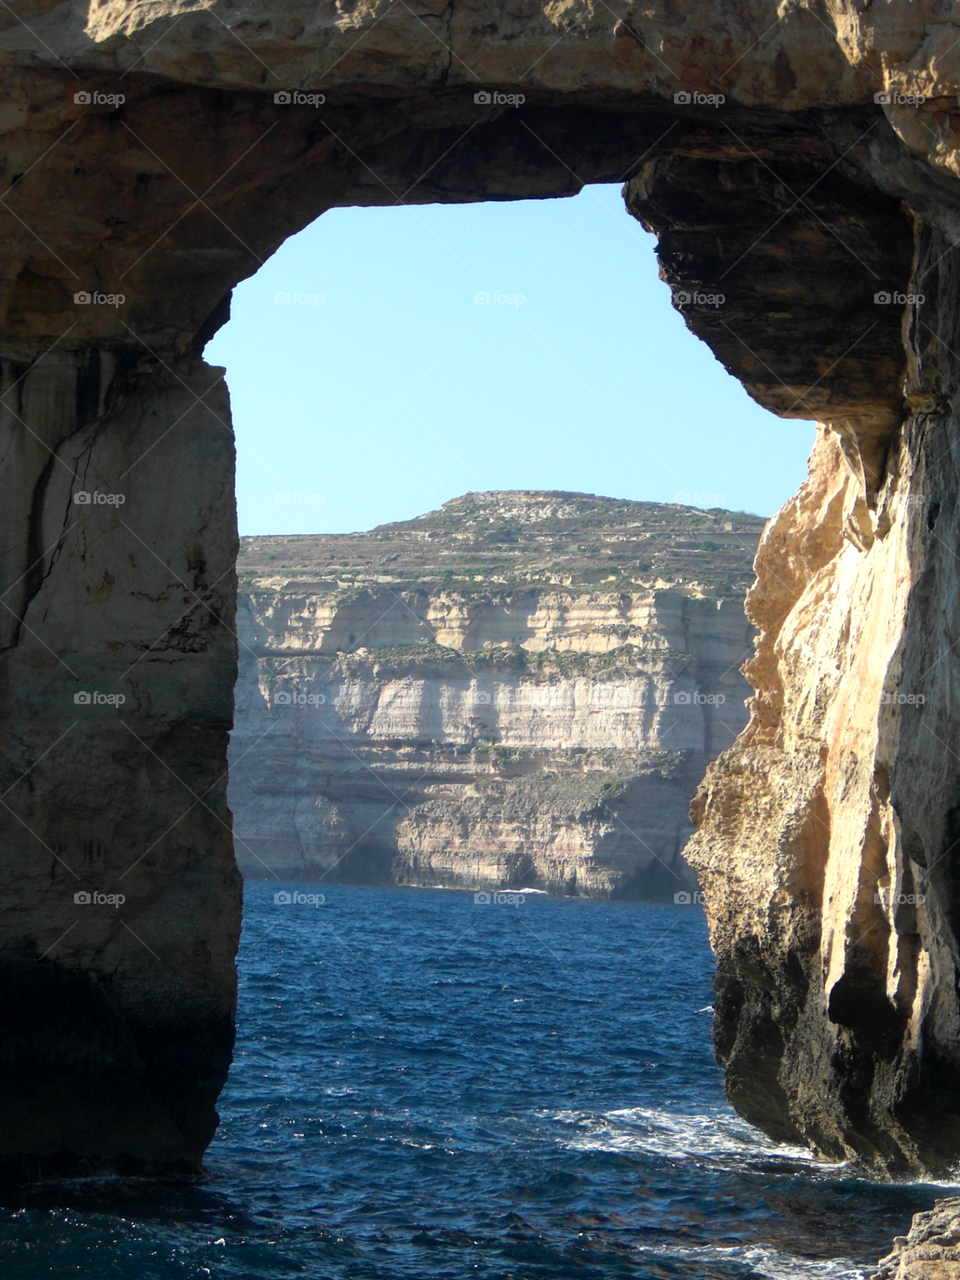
(519, 540)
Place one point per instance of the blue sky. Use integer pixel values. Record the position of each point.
(383, 389)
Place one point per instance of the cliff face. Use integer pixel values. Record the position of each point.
(520, 732)
(803, 198)
(834, 918)
(121, 897)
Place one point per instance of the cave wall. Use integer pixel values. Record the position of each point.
(169, 198)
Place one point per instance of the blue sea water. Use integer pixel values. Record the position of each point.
(426, 1087)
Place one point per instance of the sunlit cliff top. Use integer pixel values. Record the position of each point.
(521, 539)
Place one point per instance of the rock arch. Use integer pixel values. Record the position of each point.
(801, 198)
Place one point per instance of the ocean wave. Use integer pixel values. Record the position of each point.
(673, 1134)
(771, 1264)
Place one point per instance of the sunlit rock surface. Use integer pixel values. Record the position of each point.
(495, 694)
(828, 836)
(931, 1248)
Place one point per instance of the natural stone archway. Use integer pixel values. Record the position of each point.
(800, 199)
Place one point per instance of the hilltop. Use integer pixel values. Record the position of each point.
(576, 541)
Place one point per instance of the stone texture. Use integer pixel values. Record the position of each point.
(118, 1019)
(930, 1250)
(486, 695)
(834, 920)
(837, 1014)
(502, 739)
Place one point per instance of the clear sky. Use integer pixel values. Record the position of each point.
(383, 389)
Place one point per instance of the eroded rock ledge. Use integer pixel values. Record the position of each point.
(838, 1013)
(931, 1248)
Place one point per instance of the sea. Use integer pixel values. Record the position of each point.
(427, 1085)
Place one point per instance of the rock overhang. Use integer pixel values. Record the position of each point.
(200, 170)
(162, 204)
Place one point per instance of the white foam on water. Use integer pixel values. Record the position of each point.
(951, 1184)
(459, 888)
(766, 1262)
(674, 1135)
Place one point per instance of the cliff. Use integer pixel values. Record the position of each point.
(505, 692)
(820, 197)
(834, 918)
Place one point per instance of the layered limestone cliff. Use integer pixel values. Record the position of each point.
(828, 835)
(504, 693)
(820, 198)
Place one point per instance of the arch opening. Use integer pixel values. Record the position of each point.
(808, 217)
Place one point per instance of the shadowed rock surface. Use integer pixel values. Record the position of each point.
(519, 690)
(801, 198)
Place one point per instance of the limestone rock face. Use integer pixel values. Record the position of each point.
(118, 658)
(931, 1248)
(464, 762)
(802, 199)
(828, 834)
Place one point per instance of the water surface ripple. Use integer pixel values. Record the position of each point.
(426, 1087)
